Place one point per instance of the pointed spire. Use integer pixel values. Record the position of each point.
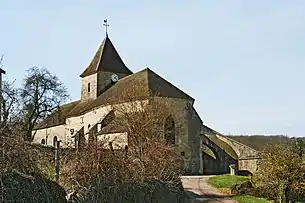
(106, 59)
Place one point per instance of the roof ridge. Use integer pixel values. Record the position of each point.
(100, 58)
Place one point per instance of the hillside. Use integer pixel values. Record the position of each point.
(258, 142)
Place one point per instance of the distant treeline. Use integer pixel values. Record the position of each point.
(259, 142)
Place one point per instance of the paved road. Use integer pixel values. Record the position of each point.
(200, 191)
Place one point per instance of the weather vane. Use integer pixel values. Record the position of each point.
(106, 25)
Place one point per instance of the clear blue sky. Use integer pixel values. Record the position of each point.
(243, 61)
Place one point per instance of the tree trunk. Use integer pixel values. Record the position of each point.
(283, 193)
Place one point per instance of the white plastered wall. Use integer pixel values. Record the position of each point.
(74, 124)
(48, 135)
(119, 140)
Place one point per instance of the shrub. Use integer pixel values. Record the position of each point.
(242, 188)
(20, 177)
(102, 175)
(19, 187)
(281, 174)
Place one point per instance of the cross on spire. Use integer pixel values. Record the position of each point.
(106, 25)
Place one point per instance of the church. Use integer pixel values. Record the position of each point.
(204, 150)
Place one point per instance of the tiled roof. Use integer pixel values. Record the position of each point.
(107, 59)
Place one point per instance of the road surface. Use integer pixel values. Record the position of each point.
(200, 191)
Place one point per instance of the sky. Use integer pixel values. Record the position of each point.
(243, 61)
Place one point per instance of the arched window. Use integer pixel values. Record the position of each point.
(54, 141)
(43, 141)
(169, 130)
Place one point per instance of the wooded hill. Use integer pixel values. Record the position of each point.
(259, 142)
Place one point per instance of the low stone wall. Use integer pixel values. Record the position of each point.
(248, 164)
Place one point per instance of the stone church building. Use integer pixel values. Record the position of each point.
(204, 150)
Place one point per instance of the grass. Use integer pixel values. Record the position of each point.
(224, 182)
(248, 199)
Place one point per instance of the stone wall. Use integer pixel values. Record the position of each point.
(99, 82)
(241, 150)
(250, 164)
(187, 136)
(218, 164)
(194, 129)
(248, 158)
(85, 94)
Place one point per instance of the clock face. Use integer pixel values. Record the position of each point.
(114, 78)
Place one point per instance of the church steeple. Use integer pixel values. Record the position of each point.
(106, 59)
(96, 78)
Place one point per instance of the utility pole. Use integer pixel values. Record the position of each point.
(1, 96)
(57, 160)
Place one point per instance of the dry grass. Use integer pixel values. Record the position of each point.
(21, 178)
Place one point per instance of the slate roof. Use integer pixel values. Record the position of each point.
(107, 59)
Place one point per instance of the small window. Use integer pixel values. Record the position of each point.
(89, 126)
(182, 153)
(89, 87)
(43, 141)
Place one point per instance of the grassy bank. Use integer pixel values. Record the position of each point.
(224, 183)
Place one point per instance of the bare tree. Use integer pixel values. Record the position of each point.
(10, 111)
(9, 103)
(40, 94)
(147, 156)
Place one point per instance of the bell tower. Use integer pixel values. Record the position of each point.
(105, 67)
